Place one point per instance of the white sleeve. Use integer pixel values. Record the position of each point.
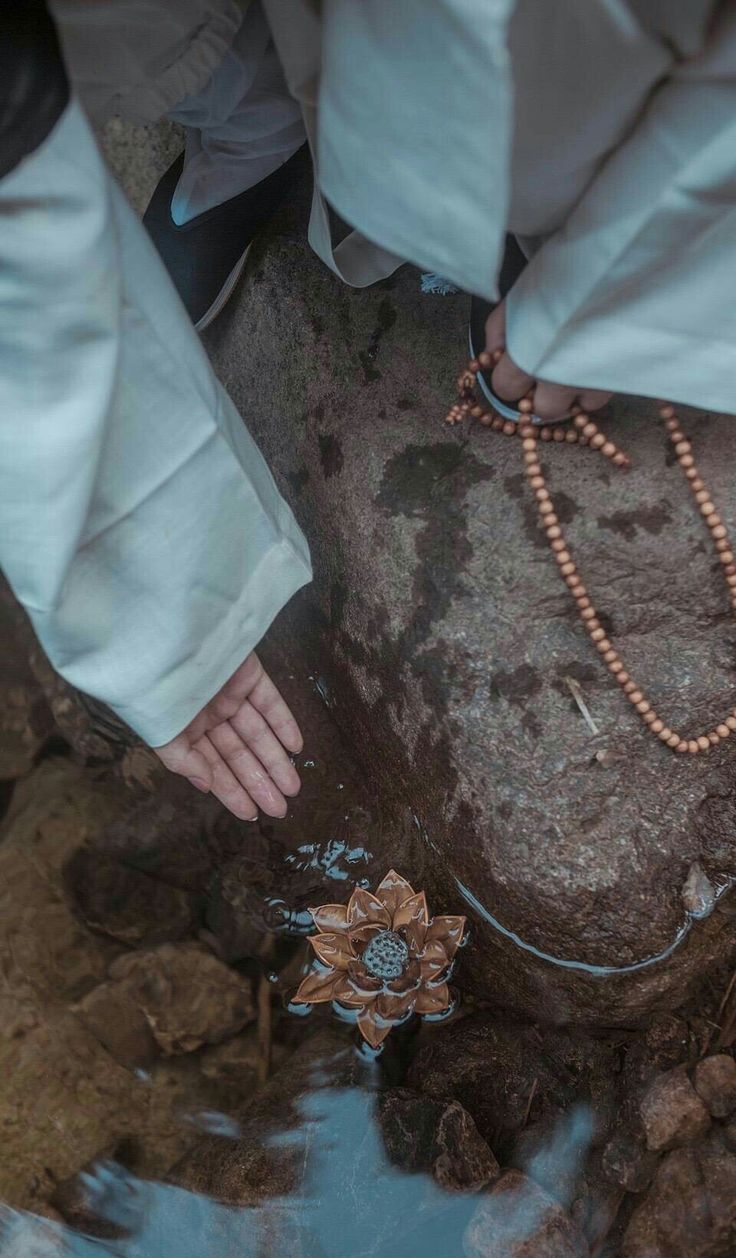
(139, 524)
(634, 292)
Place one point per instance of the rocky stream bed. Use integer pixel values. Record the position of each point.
(158, 1097)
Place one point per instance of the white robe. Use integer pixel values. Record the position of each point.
(138, 523)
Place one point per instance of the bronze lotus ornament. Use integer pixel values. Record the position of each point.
(382, 955)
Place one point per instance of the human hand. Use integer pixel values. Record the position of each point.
(238, 745)
(509, 382)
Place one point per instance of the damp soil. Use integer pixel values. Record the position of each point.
(161, 1095)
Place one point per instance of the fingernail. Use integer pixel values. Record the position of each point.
(200, 784)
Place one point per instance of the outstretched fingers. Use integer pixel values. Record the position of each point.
(225, 786)
(266, 699)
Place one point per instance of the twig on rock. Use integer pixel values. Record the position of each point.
(577, 694)
(264, 1012)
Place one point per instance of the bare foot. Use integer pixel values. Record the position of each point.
(238, 746)
(509, 382)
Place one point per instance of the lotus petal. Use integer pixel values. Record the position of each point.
(415, 934)
(362, 935)
(406, 982)
(412, 910)
(363, 983)
(332, 949)
(393, 890)
(394, 1007)
(449, 931)
(318, 986)
(348, 994)
(433, 999)
(365, 908)
(330, 917)
(433, 960)
(372, 1028)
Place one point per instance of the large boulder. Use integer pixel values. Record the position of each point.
(444, 638)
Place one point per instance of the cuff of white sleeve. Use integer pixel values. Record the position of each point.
(168, 707)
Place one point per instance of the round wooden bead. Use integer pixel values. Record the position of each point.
(682, 746)
(650, 717)
(642, 706)
(674, 742)
(723, 731)
(484, 358)
(703, 743)
(730, 721)
(667, 411)
(636, 696)
(525, 406)
(714, 738)
(693, 747)
(567, 569)
(509, 429)
(657, 726)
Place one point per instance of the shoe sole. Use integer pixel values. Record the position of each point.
(224, 294)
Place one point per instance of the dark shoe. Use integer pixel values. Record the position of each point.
(205, 256)
(512, 266)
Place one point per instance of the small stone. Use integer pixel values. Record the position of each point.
(715, 1083)
(119, 1024)
(698, 892)
(436, 1136)
(627, 1163)
(516, 1219)
(672, 1112)
(126, 903)
(189, 998)
(690, 1209)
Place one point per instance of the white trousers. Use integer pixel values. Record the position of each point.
(139, 524)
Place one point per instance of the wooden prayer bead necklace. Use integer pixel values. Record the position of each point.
(585, 432)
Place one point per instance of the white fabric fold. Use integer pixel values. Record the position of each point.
(139, 523)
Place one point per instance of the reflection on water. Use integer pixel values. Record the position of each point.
(349, 1199)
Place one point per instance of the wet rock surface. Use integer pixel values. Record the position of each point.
(188, 997)
(508, 1074)
(518, 1220)
(672, 1112)
(715, 1083)
(437, 1137)
(690, 1210)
